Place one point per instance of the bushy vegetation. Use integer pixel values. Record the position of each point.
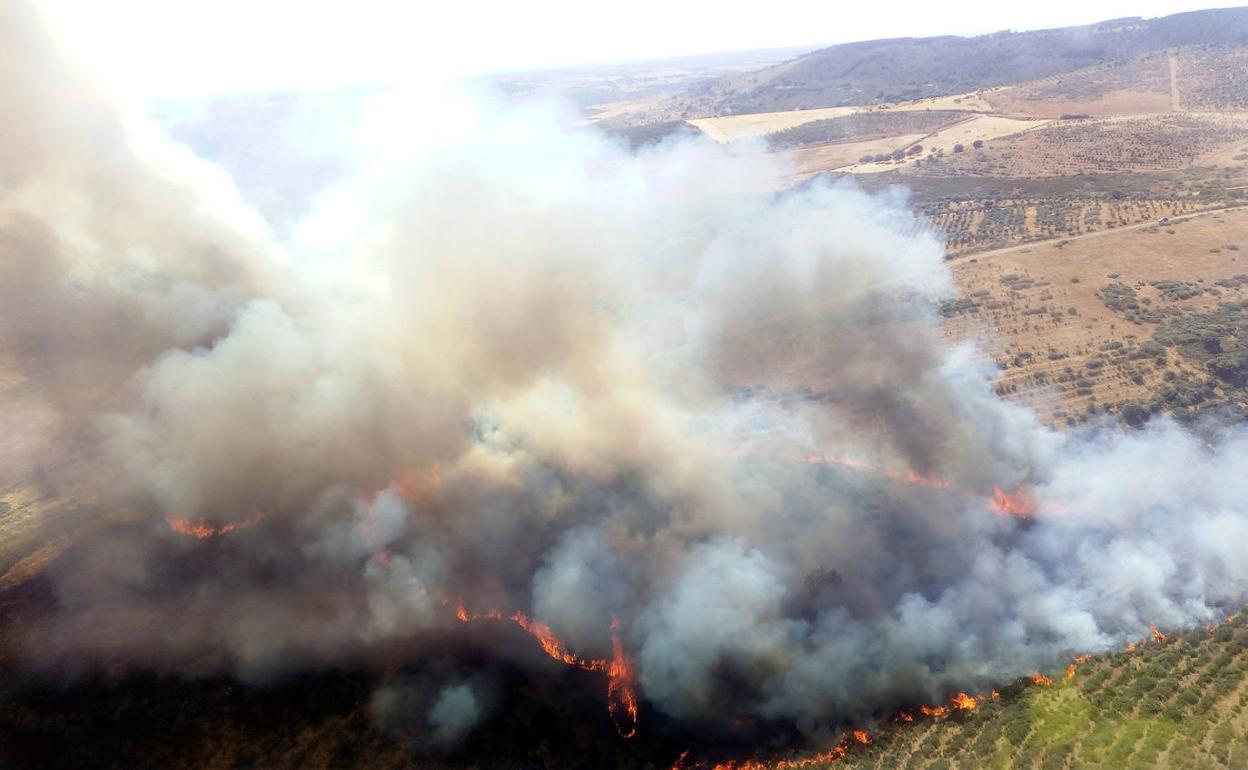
(862, 125)
(1173, 705)
(1175, 290)
(1216, 341)
(648, 134)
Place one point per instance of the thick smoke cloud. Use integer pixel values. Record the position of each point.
(515, 366)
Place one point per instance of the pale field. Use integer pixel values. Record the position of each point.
(1137, 256)
(1105, 145)
(968, 102)
(980, 127)
(1226, 156)
(814, 160)
(1137, 87)
(735, 127)
(38, 520)
(1016, 101)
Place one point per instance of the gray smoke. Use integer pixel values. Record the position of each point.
(512, 364)
(455, 714)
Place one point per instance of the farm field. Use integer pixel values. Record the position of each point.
(1042, 314)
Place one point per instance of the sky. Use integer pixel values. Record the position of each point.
(171, 48)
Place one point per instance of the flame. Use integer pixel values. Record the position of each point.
(203, 530)
(862, 736)
(408, 486)
(621, 688)
(995, 695)
(1041, 680)
(1158, 636)
(906, 477)
(621, 692)
(905, 717)
(1076, 663)
(831, 755)
(1019, 504)
(935, 711)
(1130, 646)
(964, 702)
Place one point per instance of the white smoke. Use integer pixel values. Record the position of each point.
(519, 367)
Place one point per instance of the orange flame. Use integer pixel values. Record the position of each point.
(906, 477)
(933, 711)
(964, 702)
(1158, 636)
(831, 755)
(621, 689)
(1076, 663)
(1020, 504)
(203, 530)
(905, 717)
(621, 692)
(1041, 680)
(862, 736)
(408, 486)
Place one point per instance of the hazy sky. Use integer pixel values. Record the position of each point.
(189, 47)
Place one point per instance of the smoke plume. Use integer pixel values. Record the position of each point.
(511, 365)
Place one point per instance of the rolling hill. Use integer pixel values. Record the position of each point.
(902, 69)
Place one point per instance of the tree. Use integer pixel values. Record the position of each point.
(978, 143)
(1134, 412)
(958, 148)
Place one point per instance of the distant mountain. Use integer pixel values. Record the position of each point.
(914, 68)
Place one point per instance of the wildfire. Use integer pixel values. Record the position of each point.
(831, 755)
(964, 702)
(862, 736)
(905, 717)
(203, 530)
(1075, 664)
(933, 711)
(1158, 636)
(621, 690)
(408, 486)
(1041, 680)
(906, 477)
(1020, 504)
(621, 694)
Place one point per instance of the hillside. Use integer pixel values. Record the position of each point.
(902, 69)
(1178, 704)
(1175, 704)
